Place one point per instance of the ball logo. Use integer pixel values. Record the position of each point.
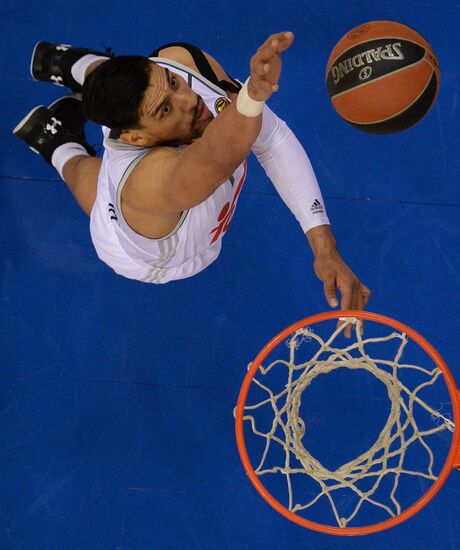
(220, 104)
(390, 52)
(365, 73)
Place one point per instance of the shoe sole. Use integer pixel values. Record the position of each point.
(32, 59)
(23, 122)
(39, 68)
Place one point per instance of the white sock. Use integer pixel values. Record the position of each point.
(79, 68)
(66, 152)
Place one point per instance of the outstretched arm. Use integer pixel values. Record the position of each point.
(287, 165)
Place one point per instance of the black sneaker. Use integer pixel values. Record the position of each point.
(53, 63)
(45, 129)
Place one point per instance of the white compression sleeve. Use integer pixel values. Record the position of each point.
(287, 165)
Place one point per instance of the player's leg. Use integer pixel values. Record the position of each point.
(57, 134)
(80, 174)
(64, 65)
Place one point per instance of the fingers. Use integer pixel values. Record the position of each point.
(347, 301)
(335, 274)
(331, 296)
(266, 63)
(261, 68)
(284, 40)
(262, 71)
(266, 54)
(276, 44)
(281, 44)
(355, 296)
(359, 299)
(330, 292)
(347, 296)
(366, 294)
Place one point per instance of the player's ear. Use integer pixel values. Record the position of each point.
(134, 137)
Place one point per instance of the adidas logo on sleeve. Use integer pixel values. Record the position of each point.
(317, 207)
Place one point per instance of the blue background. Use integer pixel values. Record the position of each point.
(116, 397)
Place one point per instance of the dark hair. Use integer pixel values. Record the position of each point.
(113, 92)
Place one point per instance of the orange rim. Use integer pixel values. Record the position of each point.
(453, 458)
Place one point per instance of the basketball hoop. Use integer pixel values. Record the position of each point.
(383, 466)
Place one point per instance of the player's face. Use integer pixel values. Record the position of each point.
(172, 113)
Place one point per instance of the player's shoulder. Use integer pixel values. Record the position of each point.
(183, 56)
(158, 160)
(144, 188)
(179, 54)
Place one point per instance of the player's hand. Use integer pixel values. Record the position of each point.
(266, 66)
(335, 274)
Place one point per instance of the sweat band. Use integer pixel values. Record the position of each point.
(80, 67)
(247, 106)
(64, 153)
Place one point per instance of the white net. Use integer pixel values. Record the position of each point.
(384, 460)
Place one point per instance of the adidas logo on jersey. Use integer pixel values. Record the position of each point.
(113, 214)
(316, 207)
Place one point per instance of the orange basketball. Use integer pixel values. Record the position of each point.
(382, 77)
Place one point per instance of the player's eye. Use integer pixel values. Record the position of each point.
(166, 109)
(173, 79)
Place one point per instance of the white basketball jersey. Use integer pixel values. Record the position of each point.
(196, 240)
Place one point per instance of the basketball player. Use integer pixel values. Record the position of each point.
(177, 131)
